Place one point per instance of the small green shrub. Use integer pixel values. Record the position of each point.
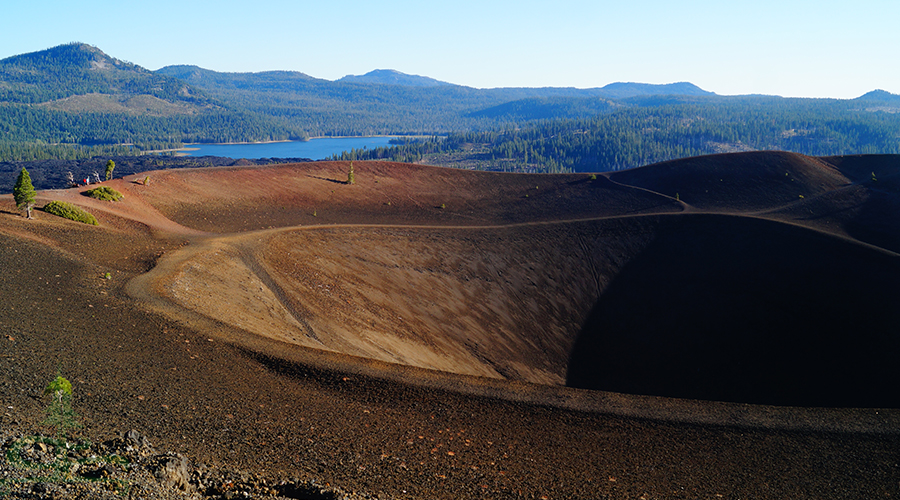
(69, 211)
(105, 193)
(60, 414)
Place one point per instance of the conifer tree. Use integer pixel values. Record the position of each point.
(110, 165)
(60, 413)
(23, 192)
(351, 178)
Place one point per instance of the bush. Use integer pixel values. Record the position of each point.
(70, 211)
(60, 414)
(104, 193)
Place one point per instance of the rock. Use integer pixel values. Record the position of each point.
(134, 441)
(308, 490)
(172, 470)
(100, 472)
(42, 489)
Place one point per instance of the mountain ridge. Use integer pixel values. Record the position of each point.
(393, 77)
(622, 90)
(80, 69)
(78, 55)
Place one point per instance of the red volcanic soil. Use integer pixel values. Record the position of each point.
(437, 333)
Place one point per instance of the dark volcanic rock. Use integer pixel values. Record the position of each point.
(37, 467)
(53, 174)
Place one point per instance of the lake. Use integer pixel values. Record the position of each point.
(315, 149)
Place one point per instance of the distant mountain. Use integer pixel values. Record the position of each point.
(879, 96)
(553, 103)
(77, 69)
(265, 80)
(621, 90)
(393, 77)
(325, 107)
(618, 90)
(81, 99)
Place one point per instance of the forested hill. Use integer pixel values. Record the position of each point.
(633, 136)
(77, 69)
(380, 103)
(882, 96)
(621, 90)
(393, 77)
(388, 102)
(74, 101)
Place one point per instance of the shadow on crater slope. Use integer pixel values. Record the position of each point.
(748, 310)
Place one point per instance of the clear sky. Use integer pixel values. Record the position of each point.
(792, 48)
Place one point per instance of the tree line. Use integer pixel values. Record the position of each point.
(31, 133)
(636, 136)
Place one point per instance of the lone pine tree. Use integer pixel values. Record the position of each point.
(60, 414)
(110, 166)
(23, 192)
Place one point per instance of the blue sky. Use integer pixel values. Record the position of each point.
(793, 48)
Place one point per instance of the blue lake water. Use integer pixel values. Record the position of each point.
(315, 149)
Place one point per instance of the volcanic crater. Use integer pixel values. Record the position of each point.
(758, 285)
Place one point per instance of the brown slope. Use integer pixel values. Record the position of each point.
(866, 209)
(745, 182)
(492, 302)
(236, 199)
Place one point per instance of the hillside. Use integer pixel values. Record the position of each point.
(426, 332)
(74, 101)
(879, 96)
(644, 130)
(541, 108)
(393, 77)
(623, 90)
(381, 103)
(80, 70)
